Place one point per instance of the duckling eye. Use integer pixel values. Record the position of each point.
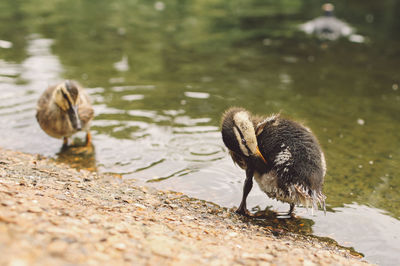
(243, 141)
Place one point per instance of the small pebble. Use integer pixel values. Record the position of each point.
(261, 256)
(173, 206)
(140, 206)
(7, 203)
(58, 247)
(187, 217)
(34, 209)
(120, 246)
(18, 262)
(308, 263)
(121, 228)
(232, 234)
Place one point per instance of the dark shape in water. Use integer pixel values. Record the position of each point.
(327, 27)
(78, 155)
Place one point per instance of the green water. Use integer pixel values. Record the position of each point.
(157, 114)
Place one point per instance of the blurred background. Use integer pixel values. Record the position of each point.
(160, 74)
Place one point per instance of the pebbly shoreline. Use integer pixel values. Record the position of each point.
(52, 214)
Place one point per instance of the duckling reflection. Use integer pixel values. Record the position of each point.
(270, 219)
(63, 110)
(80, 155)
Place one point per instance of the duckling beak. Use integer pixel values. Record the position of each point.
(74, 117)
(260, 155)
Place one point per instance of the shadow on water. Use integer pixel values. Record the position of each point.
(280, 225)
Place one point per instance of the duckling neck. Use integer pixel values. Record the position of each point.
(259, 165)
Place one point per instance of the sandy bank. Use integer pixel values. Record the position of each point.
(51, 214)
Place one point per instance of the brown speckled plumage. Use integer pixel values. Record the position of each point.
(54, 120)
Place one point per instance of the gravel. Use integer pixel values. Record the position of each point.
(51, 214)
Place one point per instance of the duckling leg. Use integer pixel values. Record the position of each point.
(287, 214)
(65, 141)
(291, 209)
(88, 139)
(248, 184)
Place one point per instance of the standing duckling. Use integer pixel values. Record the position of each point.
(63, 110)
(283, 156)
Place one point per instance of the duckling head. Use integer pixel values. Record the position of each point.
(328, 9)
(238, 132)
(66, 96)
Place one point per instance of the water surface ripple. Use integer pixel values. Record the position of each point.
(160, 80)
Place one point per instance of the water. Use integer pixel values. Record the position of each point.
(161, 73)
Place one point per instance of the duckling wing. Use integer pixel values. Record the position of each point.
(43, 109)
(294, 153)
(45, 99)
(86, 114)
(51, 119)
(261, 122)
(85, 110)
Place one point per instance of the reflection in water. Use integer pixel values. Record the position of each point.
(78, 155)
(160, 77)
(41, 68)
(122, 65)
(5, 44)
(362, 224)
(191, 147)
(278, 225)
(271, 219)
(176, 174)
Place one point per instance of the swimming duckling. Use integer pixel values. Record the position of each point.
(63, 110)
(283, 156)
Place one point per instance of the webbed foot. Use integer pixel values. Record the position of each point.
(289, 214)
(243, 211)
